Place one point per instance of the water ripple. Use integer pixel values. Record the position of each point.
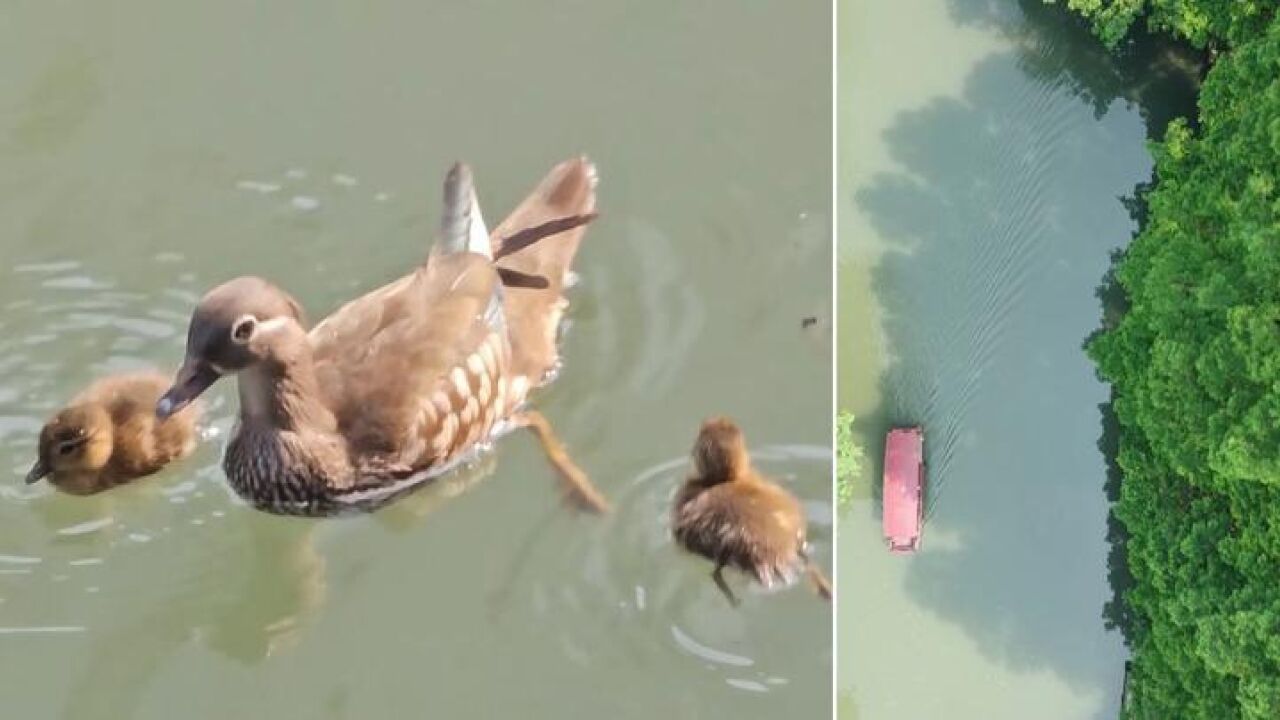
(624, 578)
(990, 254)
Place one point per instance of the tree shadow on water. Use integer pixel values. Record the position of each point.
(1003, 219)
(1152, 72)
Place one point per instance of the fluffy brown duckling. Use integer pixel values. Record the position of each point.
(399, 385)
(109, 434)
(730, 514)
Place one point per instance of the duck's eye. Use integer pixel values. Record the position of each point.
(242, 331)
(66, 448)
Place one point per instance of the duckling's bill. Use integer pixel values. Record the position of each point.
(39, 471)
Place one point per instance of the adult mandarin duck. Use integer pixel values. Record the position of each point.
(397, 386)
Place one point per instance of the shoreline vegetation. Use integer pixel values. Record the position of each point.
(849, 457)
(1194, 363)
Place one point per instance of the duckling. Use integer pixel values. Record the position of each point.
(397, 386)
(108, 435)
(730, 514)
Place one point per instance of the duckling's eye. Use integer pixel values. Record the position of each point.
(243, 329)
(66, 448)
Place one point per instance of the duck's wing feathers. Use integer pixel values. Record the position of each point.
(385, 364)
(538, 241)
(419, 370)
(389, 362)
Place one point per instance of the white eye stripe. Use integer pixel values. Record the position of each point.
(273, 324)
(255, 326)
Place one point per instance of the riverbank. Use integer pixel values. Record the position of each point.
(1193, 362)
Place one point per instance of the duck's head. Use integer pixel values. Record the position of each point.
(77, 440)
(720, 452)
(237, 325)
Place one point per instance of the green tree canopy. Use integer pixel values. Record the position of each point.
(1200, 22)
(1195, 368)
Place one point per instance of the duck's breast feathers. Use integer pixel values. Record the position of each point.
(564, 198)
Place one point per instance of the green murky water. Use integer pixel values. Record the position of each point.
(984, 147)
(149, 150)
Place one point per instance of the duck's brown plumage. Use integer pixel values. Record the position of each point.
(729, 513)
(108, 434)
(396, 385)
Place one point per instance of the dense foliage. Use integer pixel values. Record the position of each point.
(848, 460)
(1201, 22)
(1195, 368)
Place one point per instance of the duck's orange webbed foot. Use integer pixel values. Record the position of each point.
(583, 493)
(820, 583)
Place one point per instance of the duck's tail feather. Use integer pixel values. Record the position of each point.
(515, 278)
(524, 238)
(539, 240)
(462, 227)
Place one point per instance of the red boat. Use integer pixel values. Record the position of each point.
(904, 489)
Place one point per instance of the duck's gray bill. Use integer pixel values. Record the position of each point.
(193, 378)
(37, 472)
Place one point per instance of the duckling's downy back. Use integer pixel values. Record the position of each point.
(108, 435)
(729, 513)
